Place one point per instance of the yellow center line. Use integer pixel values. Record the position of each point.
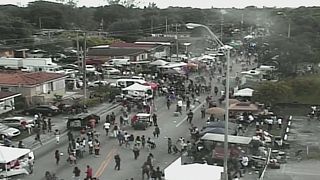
(108, 154)
(106, 163)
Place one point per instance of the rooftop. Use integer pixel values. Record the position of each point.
(132, 45)
(5, 94)
(26, 79)
(115, 52)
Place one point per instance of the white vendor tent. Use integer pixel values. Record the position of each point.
(159, 62)
(246, 92)
(138, 90)
(204, 57)
(8, 154)
(137, 87)
(177, 171)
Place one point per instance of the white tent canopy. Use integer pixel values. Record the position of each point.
(206, 57)
(248, 37)
(159, 62)
(8, 154)
(246, 92)
(137, 87)
(177, 171)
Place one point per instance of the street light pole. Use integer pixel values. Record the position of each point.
(226, 133)
(226, 125)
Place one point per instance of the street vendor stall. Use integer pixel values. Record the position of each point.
(246, 92)
(243, 107)
(138, 91)
(214, 141)
(141, 121)
(178, 171)
(12, 161)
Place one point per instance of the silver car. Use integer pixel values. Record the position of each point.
(8, 131)
(18, 122)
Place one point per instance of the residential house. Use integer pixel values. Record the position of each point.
(165, 45)
(106, 53)
(7, 101)
(154, 51)
(36, 87)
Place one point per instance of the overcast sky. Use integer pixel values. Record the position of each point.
(196, 3)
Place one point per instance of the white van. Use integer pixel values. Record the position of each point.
(123, 83)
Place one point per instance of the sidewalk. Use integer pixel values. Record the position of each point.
(60, 124)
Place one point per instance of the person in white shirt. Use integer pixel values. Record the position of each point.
(280, 123)
(244, 162)
(106, 127)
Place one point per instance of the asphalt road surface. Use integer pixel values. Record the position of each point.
(103, 165)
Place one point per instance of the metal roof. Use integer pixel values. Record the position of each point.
(231, 139)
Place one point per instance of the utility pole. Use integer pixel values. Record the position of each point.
(78, 54)
(221, 28)
(241, 26)
(40, 23)
(84, 67)
(151, 28)
(166, 25)
(289, 28)
(177, 42)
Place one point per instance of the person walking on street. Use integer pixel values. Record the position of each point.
(57, 156)
(117, 161)
(112, 118)
(70, 136)
(30, 165)
(90, 145)
(159, 174)
(190, 116)
(49, 125)
(106, 127)
(168, 103)
(169, 145)
(76, 173)
(188, 104)
(156, 131)
(89, 173)
(143, 141)
(96, 147)
(145, 170)
(115, 130)
(155, 119)
(203, 112)
(37, 138)
(57, 135)
(136, 151)
(280, 122)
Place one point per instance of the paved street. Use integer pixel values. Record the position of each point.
(170, 126)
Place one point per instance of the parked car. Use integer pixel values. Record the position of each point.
(70, 66)
(17, 122)
(97, 83)
(8, 131)
(46, 110)
(90, 68)
(112, 71)
(82, 120)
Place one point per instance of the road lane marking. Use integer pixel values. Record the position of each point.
(106, 163)
(194, 110)
(106, 160)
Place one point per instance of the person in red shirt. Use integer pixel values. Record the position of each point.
(89, 173)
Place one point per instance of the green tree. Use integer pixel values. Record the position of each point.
(13, 28)
(271, 93)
